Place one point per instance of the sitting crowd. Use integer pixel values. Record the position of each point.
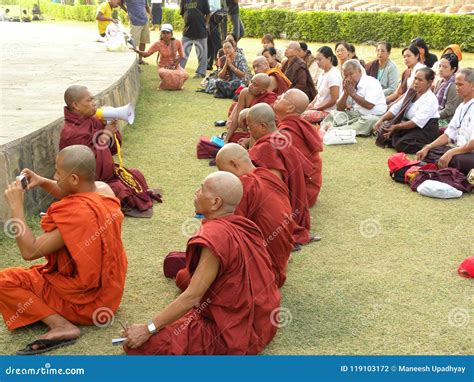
(256, 207)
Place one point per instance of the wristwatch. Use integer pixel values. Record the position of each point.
(151, 327)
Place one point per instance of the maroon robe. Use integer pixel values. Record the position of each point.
(306, 138)
(80, 130)
(235, 314)
(266, 202)
(270, 152)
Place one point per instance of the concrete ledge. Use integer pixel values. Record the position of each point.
(24, 142)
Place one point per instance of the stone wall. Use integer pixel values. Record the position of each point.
(37, 151)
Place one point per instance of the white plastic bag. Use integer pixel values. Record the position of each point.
(435, 189)
(336, 136)
(116, 38)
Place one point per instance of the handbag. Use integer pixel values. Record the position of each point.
(339, 137)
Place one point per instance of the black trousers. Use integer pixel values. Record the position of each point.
(462, 162)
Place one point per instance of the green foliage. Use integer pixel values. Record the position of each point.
(437, 30)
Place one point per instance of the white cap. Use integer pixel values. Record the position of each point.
(167, 28)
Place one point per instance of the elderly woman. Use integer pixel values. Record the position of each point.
(361, 104)
(310, 60)
(411, 57)
(384, 69)
(170, 52)
(412, 121)
(445, 90)
(453, 48)
(267, 42)
(426, 57)
(328, 87)
(234, 72)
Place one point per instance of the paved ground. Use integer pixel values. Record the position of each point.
(39, 61)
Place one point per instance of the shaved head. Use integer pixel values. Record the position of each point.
(235, 159)
(79, 160)
(294, 45)
(262, 79)
(74, 93)
(260, 64)
(262, 113)
(226, 186)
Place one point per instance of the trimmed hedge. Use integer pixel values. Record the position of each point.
(438, 30)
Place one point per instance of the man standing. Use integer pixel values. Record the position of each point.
(234, 14)
(138, 11)
(196, 14)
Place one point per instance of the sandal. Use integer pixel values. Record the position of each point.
(44, 346)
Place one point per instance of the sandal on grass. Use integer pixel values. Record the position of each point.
(43, 346)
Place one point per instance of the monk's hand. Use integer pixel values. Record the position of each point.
(14, 195)
(443, 162)
(136, 335)
(244, 142)
(112, 127)
(34, 180)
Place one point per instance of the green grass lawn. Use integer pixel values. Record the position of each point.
(382, 281)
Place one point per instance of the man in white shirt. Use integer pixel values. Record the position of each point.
(361, 103)
(459, 133)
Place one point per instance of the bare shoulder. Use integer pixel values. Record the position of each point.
(103, 189)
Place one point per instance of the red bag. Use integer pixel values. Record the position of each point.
(398, 161)
(205, 149)
(174, 261)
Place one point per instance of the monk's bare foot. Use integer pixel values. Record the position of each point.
(68, 332)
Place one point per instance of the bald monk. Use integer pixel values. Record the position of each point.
(256, 92)
(266, 202)
(296, 70)
(288, 109)
(274, 151)
(227, 306)
(279, 83)
(82, 127)
(85, 259)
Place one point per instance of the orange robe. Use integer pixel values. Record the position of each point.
(282, 81)
(275, 151)
(306, 139)
(235, 314)
(266, 202)
(86, 275)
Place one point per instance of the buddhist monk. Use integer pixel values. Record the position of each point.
(227, 306)
(296, 71)
(274, 151)
(85, 264)
(279, 83)
(288, 109)
(265, 201)
(257, 92)
(82, 127)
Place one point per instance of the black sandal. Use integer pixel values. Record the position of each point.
(44, 346)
